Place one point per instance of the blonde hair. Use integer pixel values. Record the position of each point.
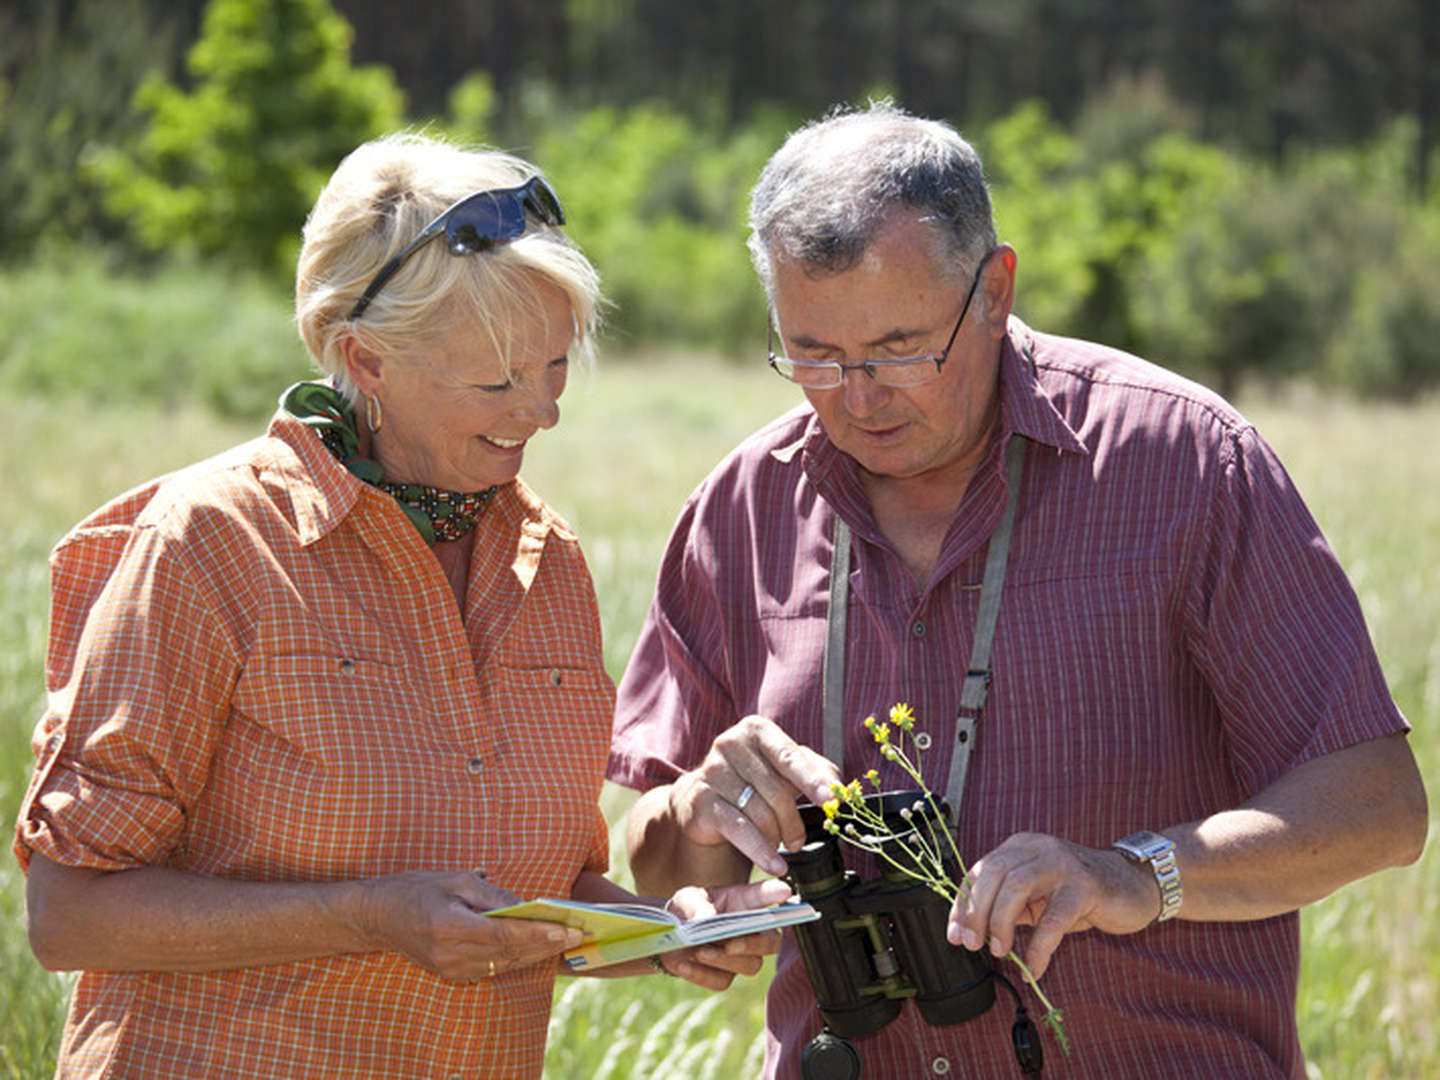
(378, 199)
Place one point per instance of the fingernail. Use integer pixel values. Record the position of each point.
(996, 949)
(969, 939)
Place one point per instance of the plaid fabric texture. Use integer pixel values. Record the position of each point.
(258, 671)
(1173, 636)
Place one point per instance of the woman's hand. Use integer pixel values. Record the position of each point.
(715, 966)
(153, 918)
(436, 919)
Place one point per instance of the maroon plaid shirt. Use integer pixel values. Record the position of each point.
(1174, 635)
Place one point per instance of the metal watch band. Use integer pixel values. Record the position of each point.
(1158, 852)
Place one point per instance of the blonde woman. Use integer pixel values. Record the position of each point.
(318, 703)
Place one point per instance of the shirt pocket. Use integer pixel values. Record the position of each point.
(555, 723)
(326, 768)
(327, 709)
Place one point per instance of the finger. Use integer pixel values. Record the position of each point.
(759, 944)
(755, 894)
(732, 963)
(970, 917)
(716, 972)
(761, 795)
(1043, 943)
(700, 974)
(480, 893)
(786, 769)
(692, 902)
(808, 772)
(528, 939)
(743, 835)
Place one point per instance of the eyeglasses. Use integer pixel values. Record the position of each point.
(476, 223)
(906, 371)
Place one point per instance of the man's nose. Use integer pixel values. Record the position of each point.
(863, 395)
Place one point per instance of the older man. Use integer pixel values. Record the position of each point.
(1144, 679)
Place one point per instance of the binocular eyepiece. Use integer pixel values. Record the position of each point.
(879, 941)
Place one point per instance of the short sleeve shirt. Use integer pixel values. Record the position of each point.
(1174, 635)
(258, 671)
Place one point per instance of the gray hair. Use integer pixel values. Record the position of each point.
(826, 192)
(378, 199)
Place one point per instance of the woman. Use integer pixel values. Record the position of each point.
(318, 703)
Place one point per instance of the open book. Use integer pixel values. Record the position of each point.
(618, 932)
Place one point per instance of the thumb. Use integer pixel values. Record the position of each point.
(757, 894)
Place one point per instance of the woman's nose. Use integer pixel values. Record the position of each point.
(542, 404)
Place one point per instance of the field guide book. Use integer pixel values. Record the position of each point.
(619, 932)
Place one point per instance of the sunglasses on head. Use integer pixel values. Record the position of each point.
(476, 223)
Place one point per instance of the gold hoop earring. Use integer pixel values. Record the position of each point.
(374, 414)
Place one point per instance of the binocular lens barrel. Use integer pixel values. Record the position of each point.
(879, 942)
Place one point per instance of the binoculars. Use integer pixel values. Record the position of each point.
(882, 941)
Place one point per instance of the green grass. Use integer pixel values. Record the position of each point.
(634, 439)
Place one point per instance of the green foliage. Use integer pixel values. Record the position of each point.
(660, 207)
(71, 87)
(472, 109)
(1146, 239)
(70, 328)
(230, 168)
(1052, 220)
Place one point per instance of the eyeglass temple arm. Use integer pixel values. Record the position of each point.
(387, 271)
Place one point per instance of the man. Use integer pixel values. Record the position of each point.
(1175, 650)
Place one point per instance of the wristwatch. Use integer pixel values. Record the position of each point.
(1158, 853)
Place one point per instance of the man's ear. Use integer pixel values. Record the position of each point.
(998, 282)
(365, 369)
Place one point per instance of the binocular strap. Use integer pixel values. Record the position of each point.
(977, 675)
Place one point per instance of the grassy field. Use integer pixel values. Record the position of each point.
(634, 439)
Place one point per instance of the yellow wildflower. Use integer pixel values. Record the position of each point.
(902, 716)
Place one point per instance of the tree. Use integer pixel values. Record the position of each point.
(66, 76)
(230, 168)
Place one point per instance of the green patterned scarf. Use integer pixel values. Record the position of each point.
(438, 514)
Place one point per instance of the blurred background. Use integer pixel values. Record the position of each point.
(1243, 190)
(1235, 188)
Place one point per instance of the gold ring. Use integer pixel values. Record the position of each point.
(492, 969)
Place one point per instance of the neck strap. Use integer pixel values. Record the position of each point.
(977, 675)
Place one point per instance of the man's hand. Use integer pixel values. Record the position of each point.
(715, 966)
(1055, 886)
(744, 792)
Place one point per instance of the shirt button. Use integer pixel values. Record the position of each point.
(917, 628)
(555, 677)
(474, 766)
(940, 1066)
(922, 740)
(347, 666)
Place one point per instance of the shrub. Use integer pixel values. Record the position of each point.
(229, 170)
(73, 330)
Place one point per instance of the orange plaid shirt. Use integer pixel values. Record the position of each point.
(257, 670)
